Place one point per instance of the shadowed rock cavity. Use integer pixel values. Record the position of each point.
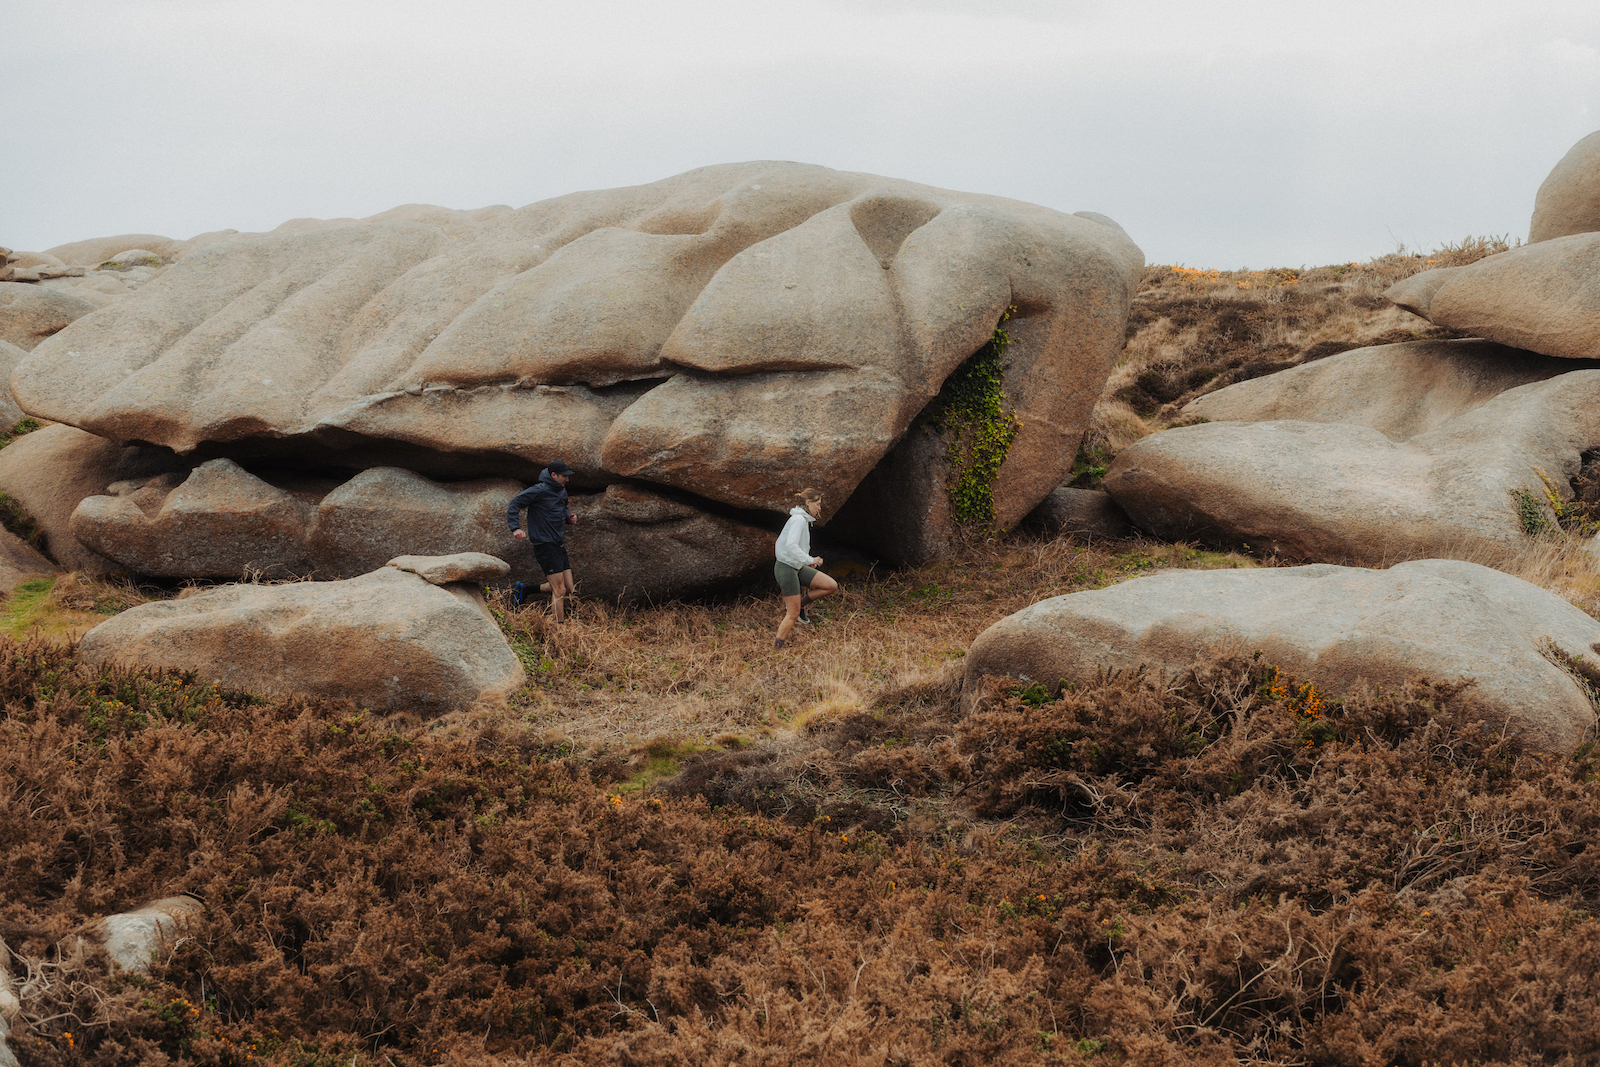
(222, 521)
(734, 333)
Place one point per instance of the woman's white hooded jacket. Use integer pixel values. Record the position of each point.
(794, 543)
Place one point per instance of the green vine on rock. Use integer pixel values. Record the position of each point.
(980, 428)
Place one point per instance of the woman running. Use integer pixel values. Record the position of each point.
(796, 569)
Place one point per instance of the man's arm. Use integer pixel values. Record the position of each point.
(514, 510)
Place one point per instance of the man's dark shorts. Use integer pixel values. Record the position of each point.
(552, 557)
(792, 581)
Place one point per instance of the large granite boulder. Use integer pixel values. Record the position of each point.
(1543, 296)
(1569, 200)
(1337, 627)
(390, 640)
(1408, 477)
(31, 313)
(732, 333)
(1084, 513)
(51, 470)
(222, 521)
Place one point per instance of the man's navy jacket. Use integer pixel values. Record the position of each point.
(546, 501)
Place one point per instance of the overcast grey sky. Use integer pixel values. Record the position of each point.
(1273, 133)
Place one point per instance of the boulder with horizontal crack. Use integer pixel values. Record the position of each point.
(391, 640)
(724, 336)
(1436, 450)
(1337, 627)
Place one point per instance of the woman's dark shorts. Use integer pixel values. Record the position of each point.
(792, 581)
(552, 557)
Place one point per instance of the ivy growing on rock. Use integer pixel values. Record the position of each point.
(979, 428)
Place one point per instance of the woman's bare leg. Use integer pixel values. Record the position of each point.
(791, 608)
(821, 586)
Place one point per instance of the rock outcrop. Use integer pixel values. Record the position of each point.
(390, 640)
(1543, 296)
(1415, 473)
(51, 470)
(29, 314)
(729, 335)
(1569, 200)
(221, 521)
(1337, 627)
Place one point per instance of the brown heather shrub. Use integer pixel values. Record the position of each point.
(1217, 868)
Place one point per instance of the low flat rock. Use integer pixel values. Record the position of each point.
(1085, 513)
(389, 640)
(734, 332)
(1569, 200)
(132, 938)
(1543, 297)
(475, 567)
(1337, 627)
(1445, 485)
(31, 313)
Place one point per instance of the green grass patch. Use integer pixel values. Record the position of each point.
(28, 606)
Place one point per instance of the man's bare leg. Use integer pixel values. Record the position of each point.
(560, 589)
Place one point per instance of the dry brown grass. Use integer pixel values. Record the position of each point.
(700, 672)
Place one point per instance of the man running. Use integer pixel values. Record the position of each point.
(548, 517)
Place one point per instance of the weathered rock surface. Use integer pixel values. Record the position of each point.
(220, 520)
(1087, 513)
(1543, 297)
(476, 567)
(1338, 627)
(734, 332)
(50, 471)
(10, 356)
(97, 250)
(388, 640)
(1569, 200)
(131, 938)
(1349, 493)
(1401, 390)
(31, 313)
(20, 561)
